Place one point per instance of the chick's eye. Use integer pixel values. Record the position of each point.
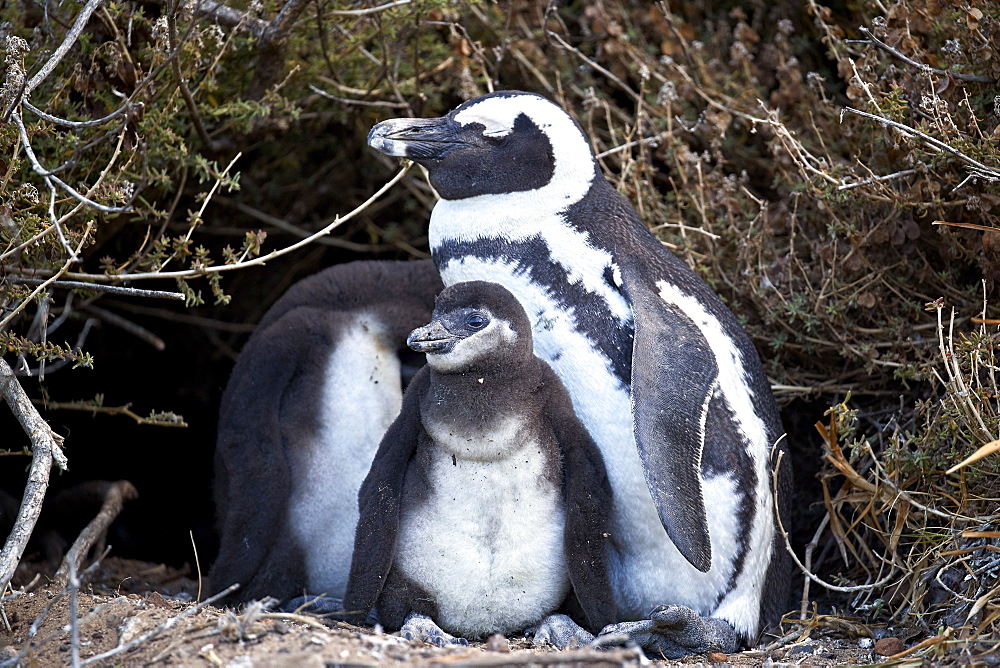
(476, 321)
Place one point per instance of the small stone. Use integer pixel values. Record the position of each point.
(717, 657)
(802, 649)
(865, 643)
(156, 598)
(497, 643)
(889, 646)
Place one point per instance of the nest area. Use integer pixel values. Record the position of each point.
(833, 171)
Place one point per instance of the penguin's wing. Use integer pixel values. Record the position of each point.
(379, 505)
(674, 375)
(588, 498)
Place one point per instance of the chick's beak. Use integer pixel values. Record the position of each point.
(431, 338)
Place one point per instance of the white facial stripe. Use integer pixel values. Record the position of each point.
(497, 114)
(574, 163)
(473, 348)
(734, 389)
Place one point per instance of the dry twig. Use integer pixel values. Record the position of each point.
(116, 495)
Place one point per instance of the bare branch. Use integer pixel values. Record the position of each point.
(175, 63)
(45, 445)
(263, 259)
(114, 289)
(985, 171)
(877, 179)
(802, 567)
(369, 10)
(116, 495)
(48, 175)
(579, 54)
(360, 103)
(128, 106)
(45, 284)
(127, 325)
(872, 39)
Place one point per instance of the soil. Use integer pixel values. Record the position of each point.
(125, 601)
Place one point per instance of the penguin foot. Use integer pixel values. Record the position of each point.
(559, 631)
(423, 629)
(675, 631)
(327, 607)
(321, 606)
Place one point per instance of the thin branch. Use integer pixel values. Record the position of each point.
(174, 316)
(369, 10)
(360, 103)
(285, 226)
(263, 259)
(48, 175)
(44, 285)
(138, 331)
(125, 410)
(579, 54)
(877, 179)
(175, 63)
(113, 289)
(128, 106)
(795, 558)
(989, 172)
(116, 495)
(45, 445)
(872, 39)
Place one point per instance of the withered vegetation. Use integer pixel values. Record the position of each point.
(832, 170)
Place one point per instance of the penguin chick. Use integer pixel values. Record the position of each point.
(486, 504)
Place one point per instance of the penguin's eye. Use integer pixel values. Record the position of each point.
(475, 321)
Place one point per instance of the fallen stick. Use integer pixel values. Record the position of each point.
(116, 495)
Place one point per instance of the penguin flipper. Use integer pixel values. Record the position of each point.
(379, 505)
(588, 498)
(674, 375)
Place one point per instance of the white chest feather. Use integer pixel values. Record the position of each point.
(486, 541)
(360, 397)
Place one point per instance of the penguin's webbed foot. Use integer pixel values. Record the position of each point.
(423, 629)
(326, 607)
(321, 606)
(559, 631)
(676, 631)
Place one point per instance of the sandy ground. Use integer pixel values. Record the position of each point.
(136, 613)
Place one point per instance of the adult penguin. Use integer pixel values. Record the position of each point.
(485, 506)
(660, 372)
(310, 396)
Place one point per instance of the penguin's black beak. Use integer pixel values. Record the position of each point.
(416, 138)
(432, 338)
